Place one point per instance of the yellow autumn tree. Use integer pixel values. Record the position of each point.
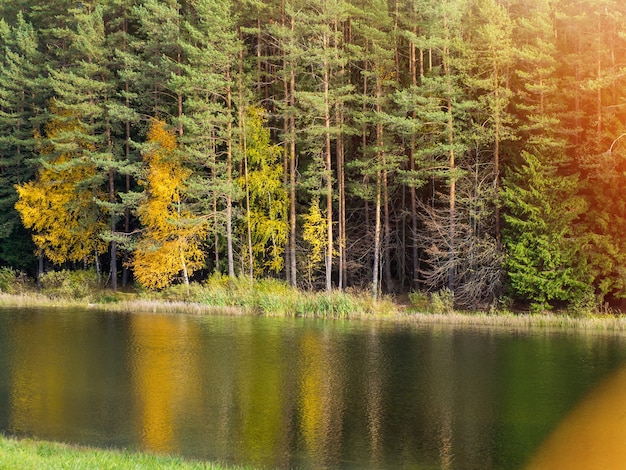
(266, 196)
(170, 244)
(58, 206)
(313, 233)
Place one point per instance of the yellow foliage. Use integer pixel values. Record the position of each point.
(61, 213)
(172, 236)
(269, 228)
(314, 234)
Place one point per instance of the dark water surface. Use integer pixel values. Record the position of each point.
(294, 393)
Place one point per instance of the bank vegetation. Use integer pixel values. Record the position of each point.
(222, 295)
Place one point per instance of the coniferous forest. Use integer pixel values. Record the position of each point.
(399, 145)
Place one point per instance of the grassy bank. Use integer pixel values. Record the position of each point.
(524, 320)
(271, 297)
(26, 454)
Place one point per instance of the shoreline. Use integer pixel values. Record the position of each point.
(400, 314)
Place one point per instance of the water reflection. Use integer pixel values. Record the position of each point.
(293, 393)
(592, 435)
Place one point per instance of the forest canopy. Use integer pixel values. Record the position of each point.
(400, 145)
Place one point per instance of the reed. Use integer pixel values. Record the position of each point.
(33, 299)
(272, 297)
(560, 321)
(35, 454)
(165, 306)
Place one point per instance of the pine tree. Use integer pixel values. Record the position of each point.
(283, 33)
(20, 106)
(210, 115)
(123, 114)
(157, 41)
(489, 62)
(323, 61)
(83, 88)
(381, 157)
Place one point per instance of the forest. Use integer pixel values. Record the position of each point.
(472, 146)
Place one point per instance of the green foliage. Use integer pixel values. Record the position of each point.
(30, 454)
(13, 281)
(543, 248)
(419, 301)
(66, 284)
(584, 304)
(267, 196)
(195, 292)
(442, 301)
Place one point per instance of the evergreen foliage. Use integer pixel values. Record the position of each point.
(413, 145)
(544, 259)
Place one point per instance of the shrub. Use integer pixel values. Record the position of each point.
(181, 292)
(584, 303)
(419, 301)
(539, 308)
(442, 302)
(12, 281)
(70, 284)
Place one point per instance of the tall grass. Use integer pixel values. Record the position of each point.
(557, 321)
(27, 454)
(272, 297)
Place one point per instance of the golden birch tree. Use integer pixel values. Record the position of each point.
(171, 239)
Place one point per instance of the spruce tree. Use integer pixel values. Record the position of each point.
(544, 254)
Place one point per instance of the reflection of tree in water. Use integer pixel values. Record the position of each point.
(322, 398)
(164, 382)
(39, 378)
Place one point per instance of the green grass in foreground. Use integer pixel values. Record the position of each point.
(26, 454)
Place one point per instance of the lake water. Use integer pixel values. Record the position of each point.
(283, 393)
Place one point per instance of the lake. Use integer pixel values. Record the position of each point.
(284, 393)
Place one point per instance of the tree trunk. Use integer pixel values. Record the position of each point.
(496, 152)
(329, 179)
(247, 184)
(339, 146)
(377, 230)
(342, 205)
(292, 168)
(412, 192)
(126, 156)
(382, 161)
(229, 182)
(113, 243)
(451, 164)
